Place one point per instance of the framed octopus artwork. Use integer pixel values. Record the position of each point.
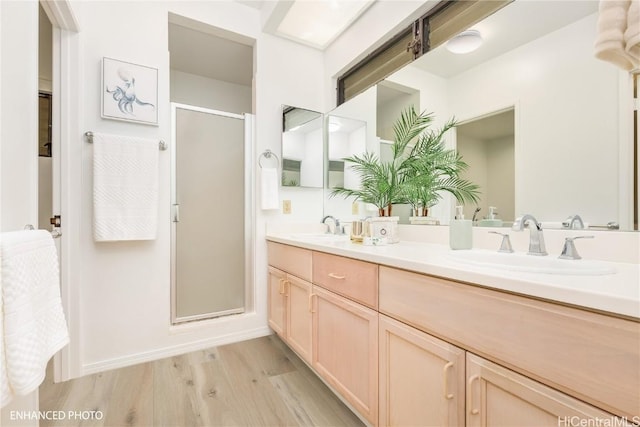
(129, 92)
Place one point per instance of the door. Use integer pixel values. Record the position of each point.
(298, 315)
(422, 378)
(345, 349)
(208, 234)
(276, 296)
(497, 396)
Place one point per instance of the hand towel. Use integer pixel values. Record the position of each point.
(270, 183)
(33, 322)
(632, 33)
(125, 188)
(612, 23)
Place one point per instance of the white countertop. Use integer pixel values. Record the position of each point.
(617, 293)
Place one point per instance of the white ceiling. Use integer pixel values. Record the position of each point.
(514, 25)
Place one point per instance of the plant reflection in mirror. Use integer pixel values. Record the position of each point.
(417, 174)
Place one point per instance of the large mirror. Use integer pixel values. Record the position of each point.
(302, 148)
(345, 137)
(543, 124)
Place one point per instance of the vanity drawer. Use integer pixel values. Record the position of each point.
(591, 356)
(357, 280)
(295, 261)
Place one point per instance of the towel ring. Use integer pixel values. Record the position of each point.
(267, 154)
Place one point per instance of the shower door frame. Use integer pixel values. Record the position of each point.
(249, 216)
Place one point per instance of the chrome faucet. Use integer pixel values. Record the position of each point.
(569, 250)
(336, 225)
(536, 238)
(573, 222)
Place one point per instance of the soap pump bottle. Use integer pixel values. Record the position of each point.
(460, 232)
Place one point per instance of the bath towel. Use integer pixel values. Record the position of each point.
(125, 188)
(632, 33)
(33, 323)
(270, 183)
(612, 23)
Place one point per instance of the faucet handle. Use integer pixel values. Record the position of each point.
(505, 246)
(569, 250)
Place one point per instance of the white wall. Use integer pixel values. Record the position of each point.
(204, 92)
(18, 139)
(125, 292)
(19, 109)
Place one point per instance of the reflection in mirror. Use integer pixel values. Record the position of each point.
(572, 136)
(346, 137)
(302, 145)
(487, 145)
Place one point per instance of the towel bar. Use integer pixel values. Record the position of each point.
(54, 233)
(89, 137)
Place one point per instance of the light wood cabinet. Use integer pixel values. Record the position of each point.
(591, 356)
(422, 378)
(298, 316)
(351, 278)
(409, 349)
(345, 349)
(276, 300)
(500, 397)
(289, 311)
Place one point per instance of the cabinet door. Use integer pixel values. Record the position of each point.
(276, 313)
(497, 396)
(422, 378)
(298, 330)
(345, 349)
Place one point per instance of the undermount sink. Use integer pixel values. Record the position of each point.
(530, 263)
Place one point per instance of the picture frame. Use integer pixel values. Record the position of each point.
(129, 92)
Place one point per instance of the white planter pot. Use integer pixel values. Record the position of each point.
(384, 227)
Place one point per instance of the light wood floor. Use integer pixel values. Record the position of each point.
(259, 382)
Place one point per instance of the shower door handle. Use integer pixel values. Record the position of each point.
(176, 213)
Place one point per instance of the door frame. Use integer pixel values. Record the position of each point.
(249, 215)
(66, 174)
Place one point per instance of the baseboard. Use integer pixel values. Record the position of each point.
(161, 353)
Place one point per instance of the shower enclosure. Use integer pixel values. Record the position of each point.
(210, 193)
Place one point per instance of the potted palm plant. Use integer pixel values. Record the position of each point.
(420, 168)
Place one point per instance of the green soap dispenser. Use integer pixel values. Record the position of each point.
(491, 220)
(460, 231)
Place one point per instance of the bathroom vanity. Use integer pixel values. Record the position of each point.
(408, 336)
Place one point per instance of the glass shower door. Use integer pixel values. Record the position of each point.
(208, 232)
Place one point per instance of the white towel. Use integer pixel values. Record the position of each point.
(125, 188)
(612, 23)
(632, 33)
(270, 183)
(33, 322)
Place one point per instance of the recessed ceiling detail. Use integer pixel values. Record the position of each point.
(317, 23)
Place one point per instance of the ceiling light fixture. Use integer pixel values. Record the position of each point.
(465, 42)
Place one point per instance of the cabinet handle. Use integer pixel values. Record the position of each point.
(472, 410)
(445, 375)
(336, 276)
(311, 310)
(281, 289)
(287, 285)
